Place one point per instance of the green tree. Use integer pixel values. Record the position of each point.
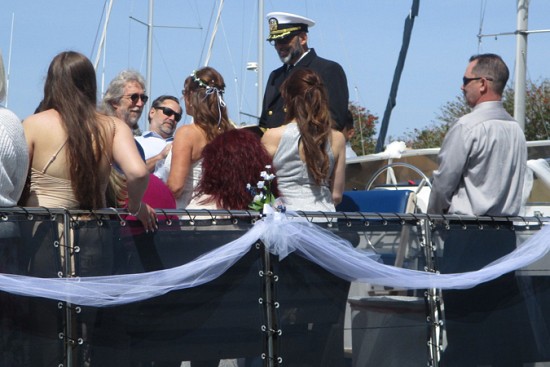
(363, 141)
(537, 109)
(432, 136)
(537, 116)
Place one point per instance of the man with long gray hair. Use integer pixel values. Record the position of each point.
(125, 97)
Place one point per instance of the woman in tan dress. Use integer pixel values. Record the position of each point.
(72, 147)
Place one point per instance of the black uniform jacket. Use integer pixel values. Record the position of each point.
(333, 77)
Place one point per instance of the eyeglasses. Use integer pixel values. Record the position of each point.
(282, 41)
(136, 96)
(466, 81)
(169, 112)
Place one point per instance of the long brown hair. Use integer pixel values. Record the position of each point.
(71, 89)
(204, 89)
(306, 102)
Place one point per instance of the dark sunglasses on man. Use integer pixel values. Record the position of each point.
(466, 80)
(136, 96)
(169, 112)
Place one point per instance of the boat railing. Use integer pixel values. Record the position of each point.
(92, 288)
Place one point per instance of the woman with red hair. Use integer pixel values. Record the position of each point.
(230, 162)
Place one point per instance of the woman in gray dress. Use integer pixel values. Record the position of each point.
(308, 155)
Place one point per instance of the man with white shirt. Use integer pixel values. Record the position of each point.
(288, 34)
(163, 117)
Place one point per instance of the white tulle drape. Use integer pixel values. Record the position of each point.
(282, 235)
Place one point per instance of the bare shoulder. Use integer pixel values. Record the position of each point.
(185, 129)
(109, 120)
(48, 117)
(190, 135)
(272, 138)
(43, 124)
(273, 134)
(337, 139)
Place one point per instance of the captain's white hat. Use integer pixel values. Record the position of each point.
(282, 25)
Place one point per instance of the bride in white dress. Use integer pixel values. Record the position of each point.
(203, 97)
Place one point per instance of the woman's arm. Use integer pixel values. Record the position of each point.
(339, 174)
(127, 157)
(182, 159)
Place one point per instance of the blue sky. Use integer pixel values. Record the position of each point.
(364, 36)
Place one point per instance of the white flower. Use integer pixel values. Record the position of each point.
(262, 191)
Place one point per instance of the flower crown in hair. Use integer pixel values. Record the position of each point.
(203, 84)
(211, 90)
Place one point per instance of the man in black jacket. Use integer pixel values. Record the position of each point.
(288, 34)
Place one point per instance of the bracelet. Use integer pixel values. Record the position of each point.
(137, 211)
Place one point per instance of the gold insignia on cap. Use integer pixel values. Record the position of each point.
(273, 24)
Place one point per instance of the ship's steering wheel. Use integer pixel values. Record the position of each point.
(389, 167)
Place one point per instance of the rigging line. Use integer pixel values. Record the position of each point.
(129, 37)
(98, 28)
(242, 76)
(103, 34)
(103, 67)
(260, 69)
(208, 28)
(163, 59)
(482, 8)
(214, 32)
(196, 11)
(360, 125)
(8, 76)
(202, 35)
(231, 61)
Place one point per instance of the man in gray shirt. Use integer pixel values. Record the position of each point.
(483, 158)
(482, 164)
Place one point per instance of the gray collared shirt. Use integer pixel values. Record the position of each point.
(482, 165)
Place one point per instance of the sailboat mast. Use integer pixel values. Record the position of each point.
(261, 42)
(149, 55)
(214, 32)
(103, 35)
(521, 61)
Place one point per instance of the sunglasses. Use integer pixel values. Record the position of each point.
(466, 81)
(136, 96)
(169, 112)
